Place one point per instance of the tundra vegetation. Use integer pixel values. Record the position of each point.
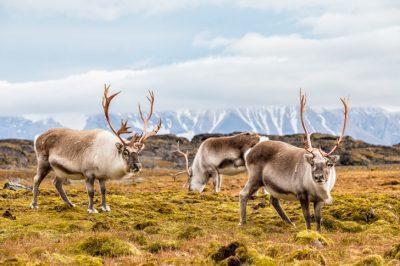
(156, 221)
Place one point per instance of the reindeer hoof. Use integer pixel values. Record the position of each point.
(34, 206)
(91, 211)
(106, 208)
(241, 224)
(71, 205)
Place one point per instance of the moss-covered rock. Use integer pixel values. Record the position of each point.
(143, 225)
(371, 260)
(225, 251)
(394, 252)
(107, 246)
(311, 237)
(162, 246)
(87, 260)
(190, 232)
(309, 255)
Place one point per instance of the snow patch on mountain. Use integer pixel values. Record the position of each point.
(373, 125)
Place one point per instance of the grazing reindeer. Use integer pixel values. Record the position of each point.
(219, 156)
(288, 172)
(90, 154)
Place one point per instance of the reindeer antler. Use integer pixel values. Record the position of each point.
(303, 102)
(124, 129)
(145, 135)
(186, 156)
(345, 103)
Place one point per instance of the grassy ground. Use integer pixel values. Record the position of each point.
(156, 221)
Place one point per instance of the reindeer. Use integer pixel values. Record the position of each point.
(288, 172)
(91, 154)
(218, 156)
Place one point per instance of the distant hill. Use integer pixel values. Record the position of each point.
(159, 150)
(372, 125)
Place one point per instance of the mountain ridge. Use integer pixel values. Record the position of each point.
(370, 124)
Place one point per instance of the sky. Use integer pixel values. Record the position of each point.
(56, 56)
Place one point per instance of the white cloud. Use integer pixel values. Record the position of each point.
(205, 39)
(113, 9)
(253, 70)
(103, 9)
(357, 52)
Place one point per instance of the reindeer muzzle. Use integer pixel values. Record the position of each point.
(136, 167)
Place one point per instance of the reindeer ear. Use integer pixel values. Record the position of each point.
(309, 158)
(334, 158)
(119, 146)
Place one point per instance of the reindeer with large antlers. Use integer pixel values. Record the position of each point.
(288, 172)
(91, 154)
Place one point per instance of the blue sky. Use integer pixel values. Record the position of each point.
(197, 54)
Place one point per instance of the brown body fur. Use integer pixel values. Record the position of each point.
(222, 155)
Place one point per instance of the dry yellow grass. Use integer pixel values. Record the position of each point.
(157, 221)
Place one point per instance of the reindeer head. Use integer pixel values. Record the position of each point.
(129, 149)
(322, 163)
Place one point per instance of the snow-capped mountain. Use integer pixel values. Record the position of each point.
(373, 125)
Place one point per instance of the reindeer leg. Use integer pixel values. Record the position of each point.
(104, 206)
(249, 189)
(90, 191)
(305, 206)
(318, 213)
(59, 186)
(275, 202)
(219, 183)
(42, 170)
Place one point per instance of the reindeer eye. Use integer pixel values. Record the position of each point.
(126, 153)
(329, 164)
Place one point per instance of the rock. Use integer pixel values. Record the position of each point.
(15, 186)
(8, 215)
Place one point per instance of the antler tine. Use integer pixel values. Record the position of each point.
(345, 103)
(145, 134)
(106, 106)
(185, 155)
(303, 102)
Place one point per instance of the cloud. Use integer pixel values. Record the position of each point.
(352, 49)
(252, 70)
(205, 39)
(112, 9)
(104, 9)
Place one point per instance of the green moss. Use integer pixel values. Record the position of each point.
(272, 251)
(152, 229)
(371, 260)
(107, 246)
(101, 226)
(310, 237)
(190, 232)
(237, 253)
(353, 209)
(162, 246)
(332, 224)
(351, 227)
(394, 252)
(87, 260)
(138, 237)
(143, 225)
(264, 261)
(13, 261)
(307, 255)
